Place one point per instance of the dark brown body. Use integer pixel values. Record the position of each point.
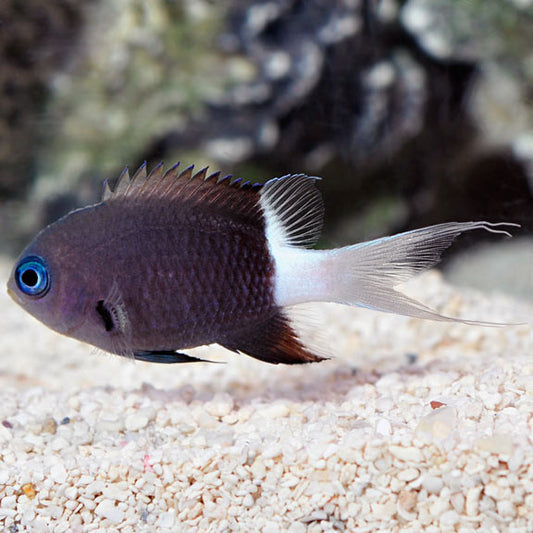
(180, 276)
(186, 277)
(164, 263)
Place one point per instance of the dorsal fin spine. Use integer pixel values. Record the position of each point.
(201, 174)
(123, 182)
(174, 169)
(187, 173)
(225, 179)
(138, 178)
(106, 191)
(214, 176)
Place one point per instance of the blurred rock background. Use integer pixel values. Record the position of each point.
(415, 112)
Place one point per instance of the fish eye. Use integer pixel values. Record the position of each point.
(32, 276)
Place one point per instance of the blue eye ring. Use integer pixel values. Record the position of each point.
(32, 276)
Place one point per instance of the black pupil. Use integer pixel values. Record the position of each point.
(29, 277)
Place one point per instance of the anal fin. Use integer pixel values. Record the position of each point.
(273, 341)
(167, 357)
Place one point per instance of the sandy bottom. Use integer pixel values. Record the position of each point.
(413, 426)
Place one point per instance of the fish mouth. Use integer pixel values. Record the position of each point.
(61, 325)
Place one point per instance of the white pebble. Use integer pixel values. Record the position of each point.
(9, 502)
(114, 491)
(458, 501)
(490, 400)
(384, 511)
(186, 429)
(271, 527)
(58, 473)
(71, 504)
(258, 469)
(59, 443)
(135, 422)
(438, 508)
(383, 427)
(166, 519)
(112, 425)
(88, 503)
(315, 516)
(276, 410)
(449, 518)
(5, 434)
(248, 500)
(505, 508)
(220, 406)
(273, 451)
(71, 493)
(497, 443)
(409, 454)
(93, 488)
(432, 484)
(297, 527)
(204, 419)
(28, 517)
(438, 424)
(408, 474)
(108, 509)
(61, 527)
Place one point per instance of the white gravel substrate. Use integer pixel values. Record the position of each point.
(414, 426)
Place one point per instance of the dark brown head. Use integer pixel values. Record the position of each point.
(55, 280)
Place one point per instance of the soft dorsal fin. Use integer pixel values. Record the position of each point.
(186, 187)
(294, 210)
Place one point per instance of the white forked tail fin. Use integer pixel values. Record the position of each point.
(365, 274)
(368, 273)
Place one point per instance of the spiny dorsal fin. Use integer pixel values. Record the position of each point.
(294, 210)
(159, 183)
(178, 190)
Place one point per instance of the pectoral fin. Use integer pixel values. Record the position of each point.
(168, 357)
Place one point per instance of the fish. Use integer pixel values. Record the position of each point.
(170, 260)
